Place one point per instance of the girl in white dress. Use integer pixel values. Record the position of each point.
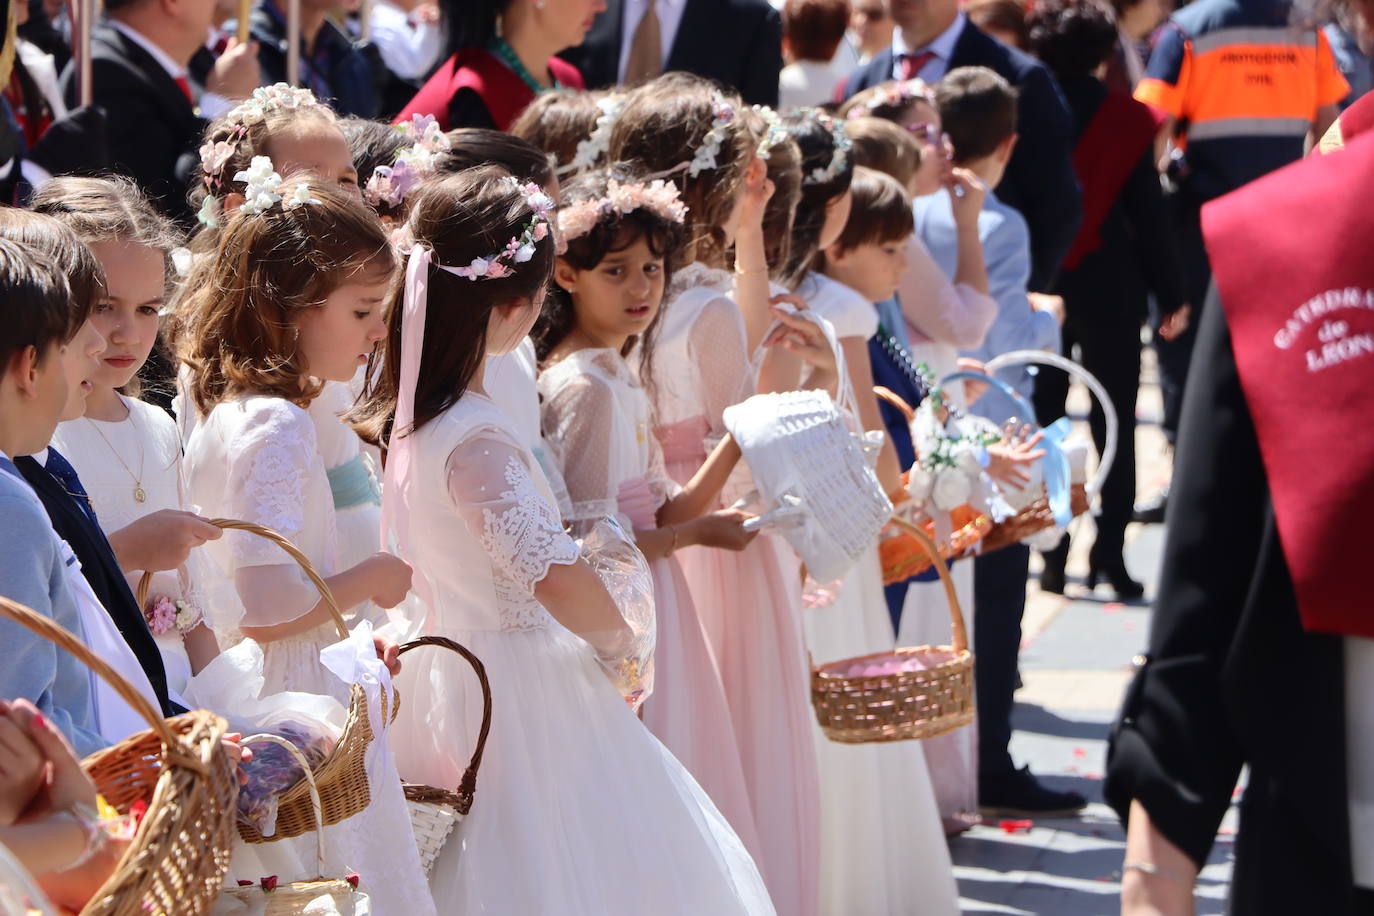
(127, 452)
(293, 297)
(883, 849)
(621, 236)
(749, 602)
(579, 809)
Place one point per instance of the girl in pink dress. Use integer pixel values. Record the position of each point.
(621, 235)
(750, 602)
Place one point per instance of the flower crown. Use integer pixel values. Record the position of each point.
(893, 95)
(215, 155)
(261, 193)
(590, 150)
(658, 197)
(389, 184)
(520, 248)
(707, 154)
(773, 132)
(839, 157)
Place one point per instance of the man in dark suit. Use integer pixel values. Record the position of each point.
(139, 60)
(735, 42)
(932, 37)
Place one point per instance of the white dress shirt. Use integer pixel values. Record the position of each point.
(209, 106)
(942, 47)
(409, 48)
(669, 18)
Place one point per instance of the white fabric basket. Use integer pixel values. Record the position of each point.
(811, 470)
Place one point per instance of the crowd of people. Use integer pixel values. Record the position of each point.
(463, 328)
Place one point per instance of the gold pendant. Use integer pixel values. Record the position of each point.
(139, 495)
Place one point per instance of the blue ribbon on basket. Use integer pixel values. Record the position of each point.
(353, 484)
(1055, 465)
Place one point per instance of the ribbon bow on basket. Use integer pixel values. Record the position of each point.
(342, 777)
(1061, 499)
(180, 851)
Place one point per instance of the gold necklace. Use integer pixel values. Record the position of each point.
(140, 496)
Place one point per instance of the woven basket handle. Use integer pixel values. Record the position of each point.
(228, 524)
(67, 640)
(956, 612)
(316, 805)
(887, 394)
(468, 785)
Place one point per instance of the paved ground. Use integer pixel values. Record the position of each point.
(1075, 662)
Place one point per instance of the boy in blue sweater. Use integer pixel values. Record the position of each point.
(978, 112)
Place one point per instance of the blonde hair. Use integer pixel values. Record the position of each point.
(237, 326)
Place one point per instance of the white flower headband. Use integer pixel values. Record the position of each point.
(590, 150)
(895, 95)
(214, 155)
(839, 156)
(389, 184)
(520, 248)
(261, 193)
(773, 133)
(707, 154)
(658, 197)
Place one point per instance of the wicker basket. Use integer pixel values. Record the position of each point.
(1037, 516)
(937, 699)
(434, 812)
(901, 554)
(176, 863)
(292, 899)
(342, 777)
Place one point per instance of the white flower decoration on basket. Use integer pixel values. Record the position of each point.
(658, 197)
(707, 154)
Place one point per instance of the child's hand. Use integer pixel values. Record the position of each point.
(65, 784)
(390, 577)
(1175, 323)
(723, 528)
(973, 390)
(161, 540)
(1007, 461)
(966, 194)
(800, 336)
(237, 753)
(22, 768)
(389, 651)
(758, 189)
(1043, 302)
(235, 74)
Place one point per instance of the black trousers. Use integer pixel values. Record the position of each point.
(999, 600)
(1174, 355)
(1108, 346)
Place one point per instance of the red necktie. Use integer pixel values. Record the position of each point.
(912, 63)
(185, 86)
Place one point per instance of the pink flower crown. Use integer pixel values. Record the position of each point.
(520, 248)
(390, 184)
(658, 197)
(897, 95)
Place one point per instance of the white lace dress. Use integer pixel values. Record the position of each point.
(597, 419)
(148, 445)
(579, 809)
(750, 601)
(255, 459)
(883, 850)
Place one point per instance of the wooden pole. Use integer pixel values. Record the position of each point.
(365, 20)
(82, 12)
(245, 13)
(293, 42)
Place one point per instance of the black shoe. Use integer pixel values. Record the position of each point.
(1052, 580)
(1126, 588)
(1151, 511)
(1020, 794)
(1055, 559)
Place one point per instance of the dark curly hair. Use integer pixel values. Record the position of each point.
(1072, 37)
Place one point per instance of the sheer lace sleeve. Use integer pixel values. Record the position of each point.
(716, 342)
(579, 421)
(269, 466)
(490, 483)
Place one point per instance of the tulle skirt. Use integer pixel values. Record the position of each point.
(750, 603)
(952, 758)
(688, 711)
(882, 847)
(579, 809)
